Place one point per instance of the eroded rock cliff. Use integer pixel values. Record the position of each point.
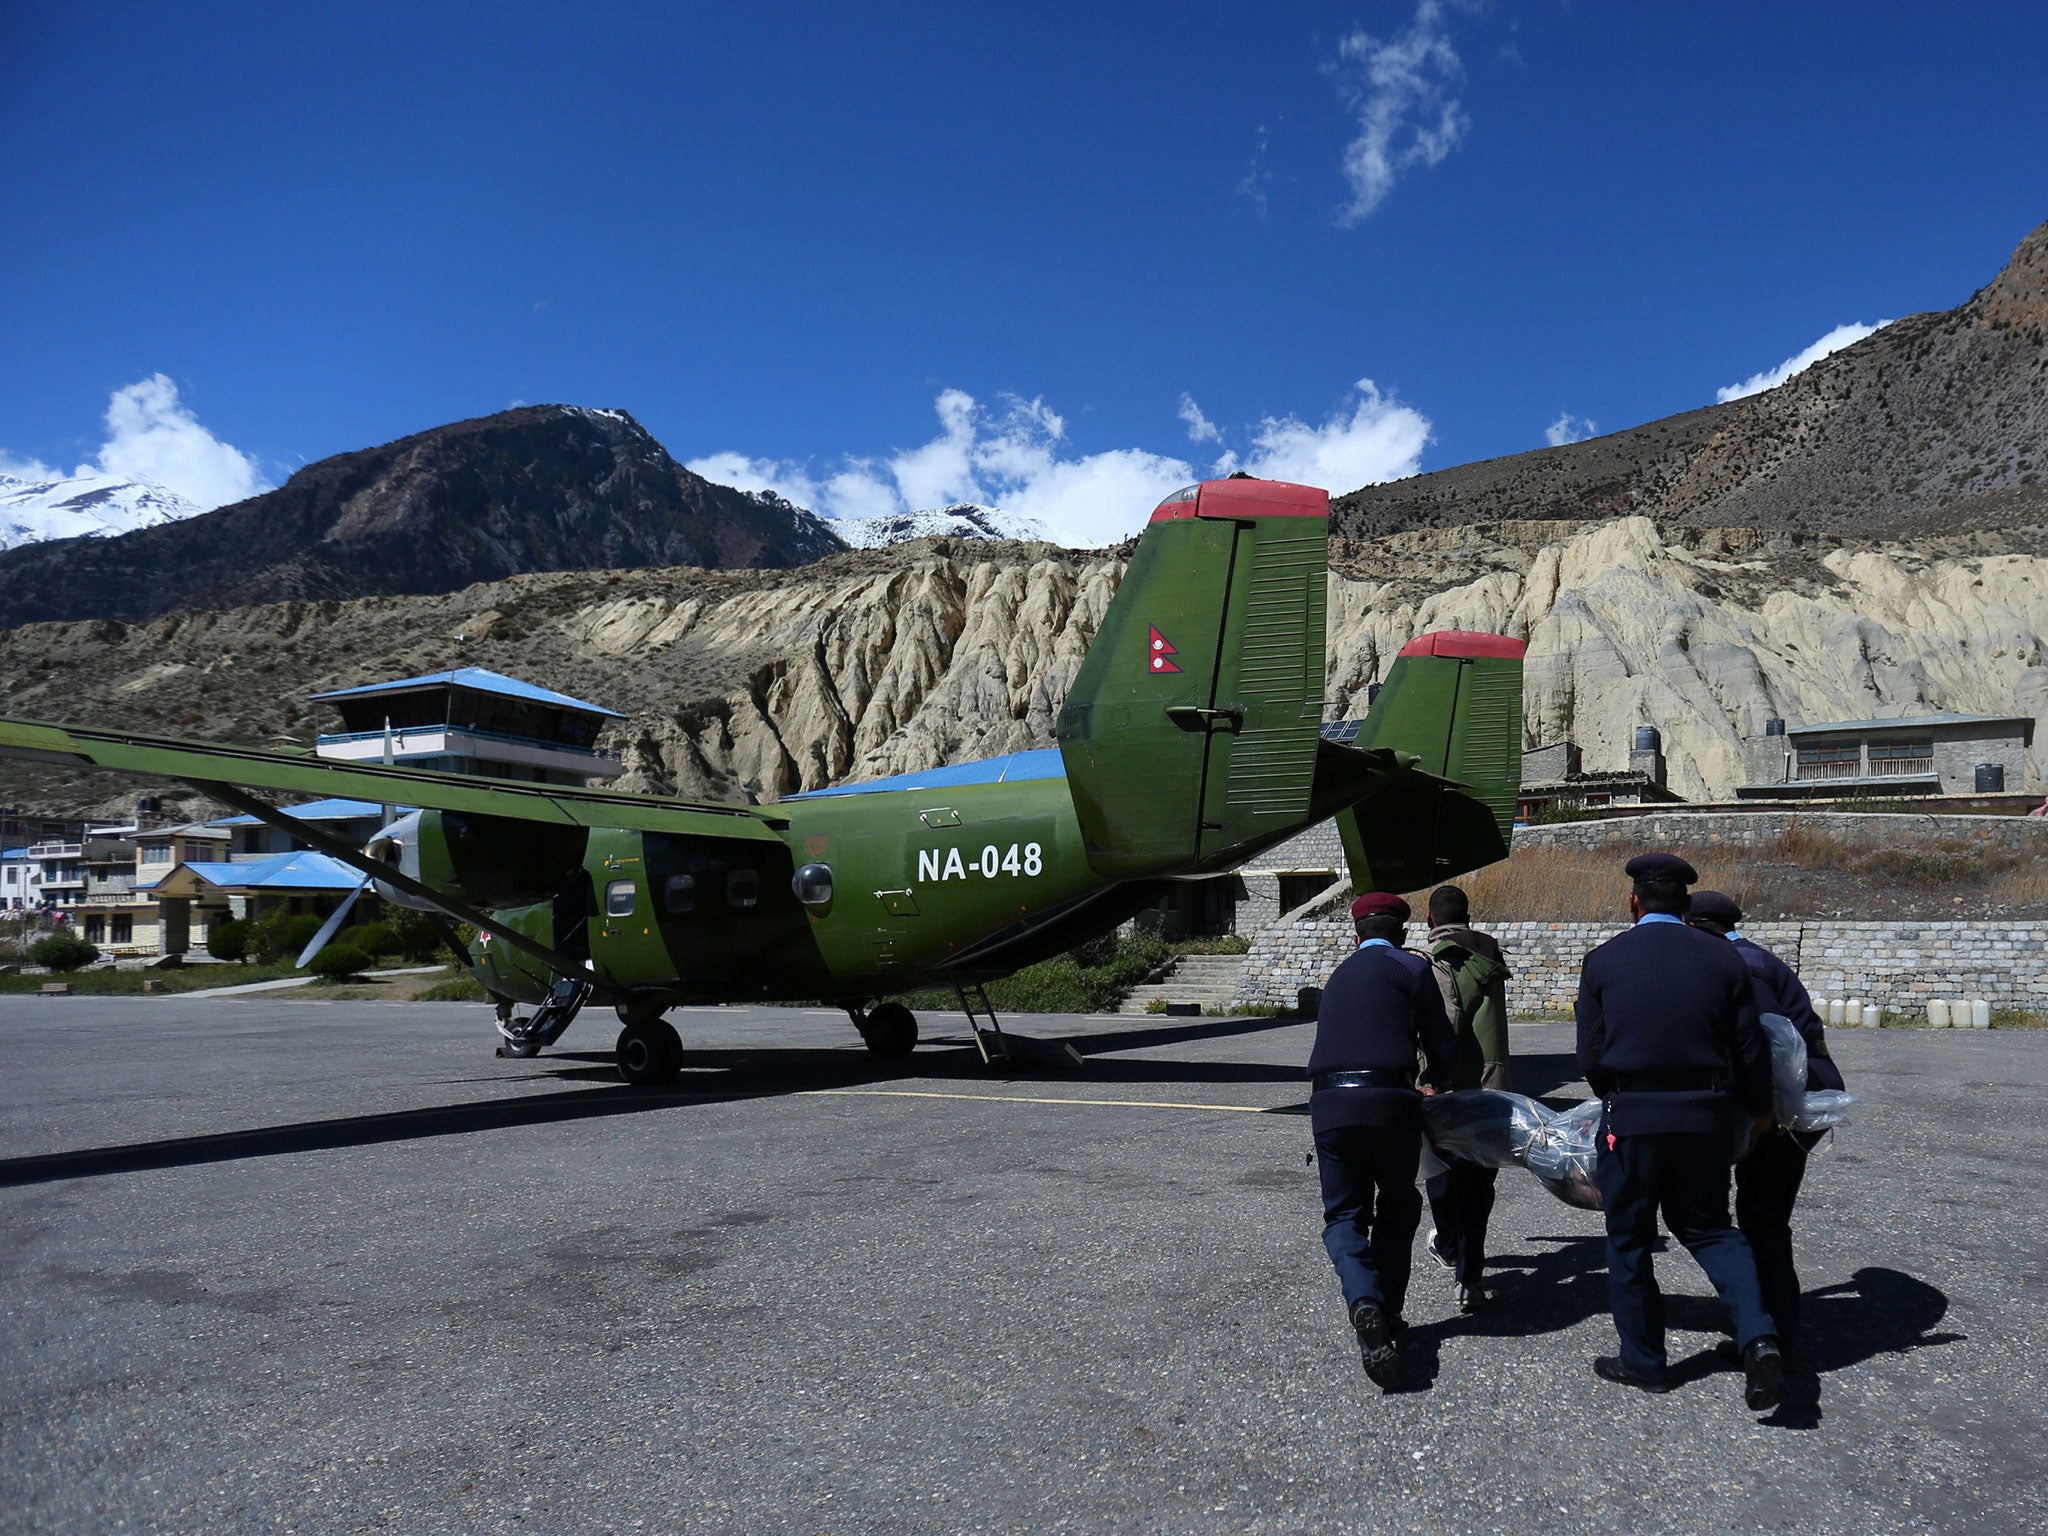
(881, 662)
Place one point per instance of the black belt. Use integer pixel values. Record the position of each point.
(1670, 1082)
(1371, 1079)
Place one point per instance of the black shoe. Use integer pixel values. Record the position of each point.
(1471, 1298)
(1610, 1368)
(1444, 1260)
(1763, 1367)
(1376, 1345)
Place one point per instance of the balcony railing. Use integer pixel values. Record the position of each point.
(398, 736)
(1877, 768)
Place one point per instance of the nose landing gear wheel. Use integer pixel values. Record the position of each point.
(890, 1030)
(649, 1053)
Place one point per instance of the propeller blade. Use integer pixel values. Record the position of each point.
(332, 926)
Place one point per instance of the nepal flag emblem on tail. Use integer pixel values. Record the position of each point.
(1161, 654)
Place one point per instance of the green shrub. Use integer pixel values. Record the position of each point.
(281, 936)
(417, 940)
(373, 939)
(63, 952)
(1069, 983)
(229, 941)
(338, 960)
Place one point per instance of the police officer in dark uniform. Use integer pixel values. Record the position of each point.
(1670, 1040)
(1767, 1180)
(1380, 1008)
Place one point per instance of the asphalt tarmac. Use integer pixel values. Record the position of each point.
(274, 1264)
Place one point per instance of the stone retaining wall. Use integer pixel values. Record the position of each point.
(1897, 965)
(1686, 831)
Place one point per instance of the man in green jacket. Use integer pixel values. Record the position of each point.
(1473, 978)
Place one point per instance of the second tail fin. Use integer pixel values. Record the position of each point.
(1453, 700)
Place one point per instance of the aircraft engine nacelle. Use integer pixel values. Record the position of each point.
(486, 861)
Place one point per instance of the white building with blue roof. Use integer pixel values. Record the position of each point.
(472, 720)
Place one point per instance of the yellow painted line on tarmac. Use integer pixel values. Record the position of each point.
(1018, 1098)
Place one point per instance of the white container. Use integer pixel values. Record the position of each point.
(1829, 1009)
(1937, 1013)
(1980, 1013)
(1870, 1015)
(1852, 1013)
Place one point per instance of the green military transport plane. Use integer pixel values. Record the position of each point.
(1192, 739)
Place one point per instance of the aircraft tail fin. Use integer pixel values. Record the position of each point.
(1190, 734)
(1453, 700)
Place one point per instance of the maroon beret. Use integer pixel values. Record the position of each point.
(1380, 903)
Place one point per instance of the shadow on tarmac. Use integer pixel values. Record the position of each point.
(1877, 1311)
(711, 1076)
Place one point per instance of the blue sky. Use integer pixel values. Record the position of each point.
(1055, 255)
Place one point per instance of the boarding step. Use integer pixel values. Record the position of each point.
(1201, 981)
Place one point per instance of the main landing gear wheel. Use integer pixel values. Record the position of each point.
(649, 1052)
(890, 1030)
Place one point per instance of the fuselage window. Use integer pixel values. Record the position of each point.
(618, 898)
(679, 894)
(813, 885)
(742, 888)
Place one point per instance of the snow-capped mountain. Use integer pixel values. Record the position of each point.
(965, 521)
(83, 506)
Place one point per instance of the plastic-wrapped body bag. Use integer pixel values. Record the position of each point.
(1499, 1130)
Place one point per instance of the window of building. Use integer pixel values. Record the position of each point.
(679, 894)
(1831, 762)
(619, 897)
(742, 888)
(95, 928)
(1906, 756)
(123, 929)
(156, 853)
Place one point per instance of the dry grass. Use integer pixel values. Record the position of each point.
(1806, 873)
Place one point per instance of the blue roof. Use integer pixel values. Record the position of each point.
(301, 871)
(13, 853)
(1045, 763)
(320, 810)
(483, 680)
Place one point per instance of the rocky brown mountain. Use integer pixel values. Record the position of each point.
(543, 488)
(1938, 423)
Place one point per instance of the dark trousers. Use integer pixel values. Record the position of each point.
(1684, 1174)
(1371, 1209)
(1766, 1186)
(1460, 1201)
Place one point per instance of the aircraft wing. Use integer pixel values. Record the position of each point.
(206, 762)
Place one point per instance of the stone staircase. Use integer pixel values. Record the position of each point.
(1209, 981)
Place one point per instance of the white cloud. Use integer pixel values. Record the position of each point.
(152, 436)
(1841, 336)
(1252, 185)
(1376, 439)
(1013, 456)
(26, 469)
(1403, 92)
(1200, 428)
(1569, 429)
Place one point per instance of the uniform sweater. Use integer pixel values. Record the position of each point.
(1663, 999)
(1380, 1009)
